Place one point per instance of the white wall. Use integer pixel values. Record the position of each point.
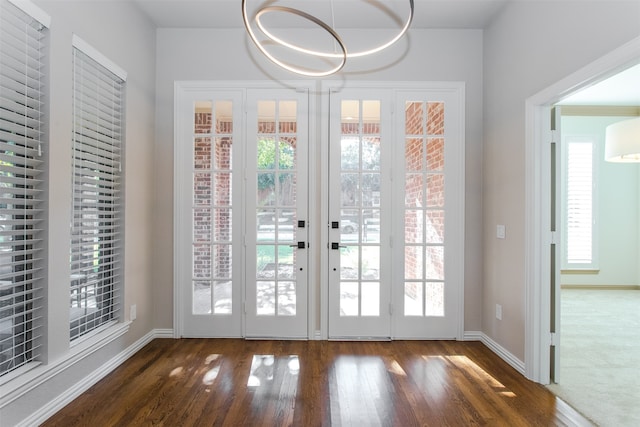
(617, 210)
(426, 55)
(122, 34)
(529, 46)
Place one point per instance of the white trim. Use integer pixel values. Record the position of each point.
(503, 353)
(36, 377)
(500, 351)
(569, 416)
(60, 401)
(97, 56)
(537, 118)
(33, 11)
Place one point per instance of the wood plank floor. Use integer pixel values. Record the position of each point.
(233, 382)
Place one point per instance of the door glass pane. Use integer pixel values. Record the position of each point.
(371, 228)
(435, 118)
(414, 122)
(265, 298)
(350, 194)
(370, 299)
(222, 292)
(201, 297)
(349, 298)
(349, 262)
(435, 190)
(435, 226)
(434, 299)
(287, 298)
(414, 158)
(413, 299)
(434, 262)
(413, 264)
(371, 153)
(202, 153)
(413, 226)
(370, 263)
(435, 154)
(202, 117)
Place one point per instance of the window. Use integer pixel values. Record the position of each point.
(22, 163)
(579, 201)
(96, 229)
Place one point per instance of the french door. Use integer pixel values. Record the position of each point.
(396, 188)
(241, 212)
(276, 214)
(394, 204)
(359, 214)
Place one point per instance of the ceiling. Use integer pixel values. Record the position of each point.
(346, 13)
(622, 89)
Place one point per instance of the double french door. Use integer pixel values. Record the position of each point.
(393, 207)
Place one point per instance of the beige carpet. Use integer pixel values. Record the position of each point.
(600, 355)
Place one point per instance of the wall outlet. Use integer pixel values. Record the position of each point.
(498, 312)
(501, 231)
(132, 312)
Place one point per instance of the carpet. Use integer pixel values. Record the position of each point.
(600, 355)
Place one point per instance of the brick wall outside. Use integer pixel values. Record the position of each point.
(212, 195)
(423, 222)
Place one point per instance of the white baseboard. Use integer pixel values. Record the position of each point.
(502, 352)
(45, 412)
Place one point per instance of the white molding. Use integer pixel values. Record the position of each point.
(97, 56)
(33, 11)
(34, 378)
(500, 351)
(472, 336)
(503, 353)
(569, 416)
(537, 266)
(57, 403)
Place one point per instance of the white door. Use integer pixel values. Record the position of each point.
(396, 220)
(208, 214)
(359, 214)
(428, 215)
(276, 213)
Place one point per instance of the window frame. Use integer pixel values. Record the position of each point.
(33, 116)
(566, 263)
(103, 270)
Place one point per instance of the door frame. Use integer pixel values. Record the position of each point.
(537, 201)
(324, 103)
(190, 87)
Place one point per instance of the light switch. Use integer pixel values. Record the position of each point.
(501, 231)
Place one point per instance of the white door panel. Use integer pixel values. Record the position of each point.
(276, 213)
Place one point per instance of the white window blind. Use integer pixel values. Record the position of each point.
(96, 229)
(579, 228)
(22, 155)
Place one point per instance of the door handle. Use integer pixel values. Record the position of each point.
(336, 245)
(299, 245)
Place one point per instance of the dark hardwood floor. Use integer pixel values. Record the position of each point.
(233, 382)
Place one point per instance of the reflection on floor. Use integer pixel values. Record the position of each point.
(233, 382)
(600, 355)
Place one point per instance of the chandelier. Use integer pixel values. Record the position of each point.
(339, 55)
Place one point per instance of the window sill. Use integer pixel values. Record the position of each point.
(580, 271)
(41, 373)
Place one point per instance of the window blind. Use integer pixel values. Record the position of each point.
(96, 229)
(22, 155)
(579, 225)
